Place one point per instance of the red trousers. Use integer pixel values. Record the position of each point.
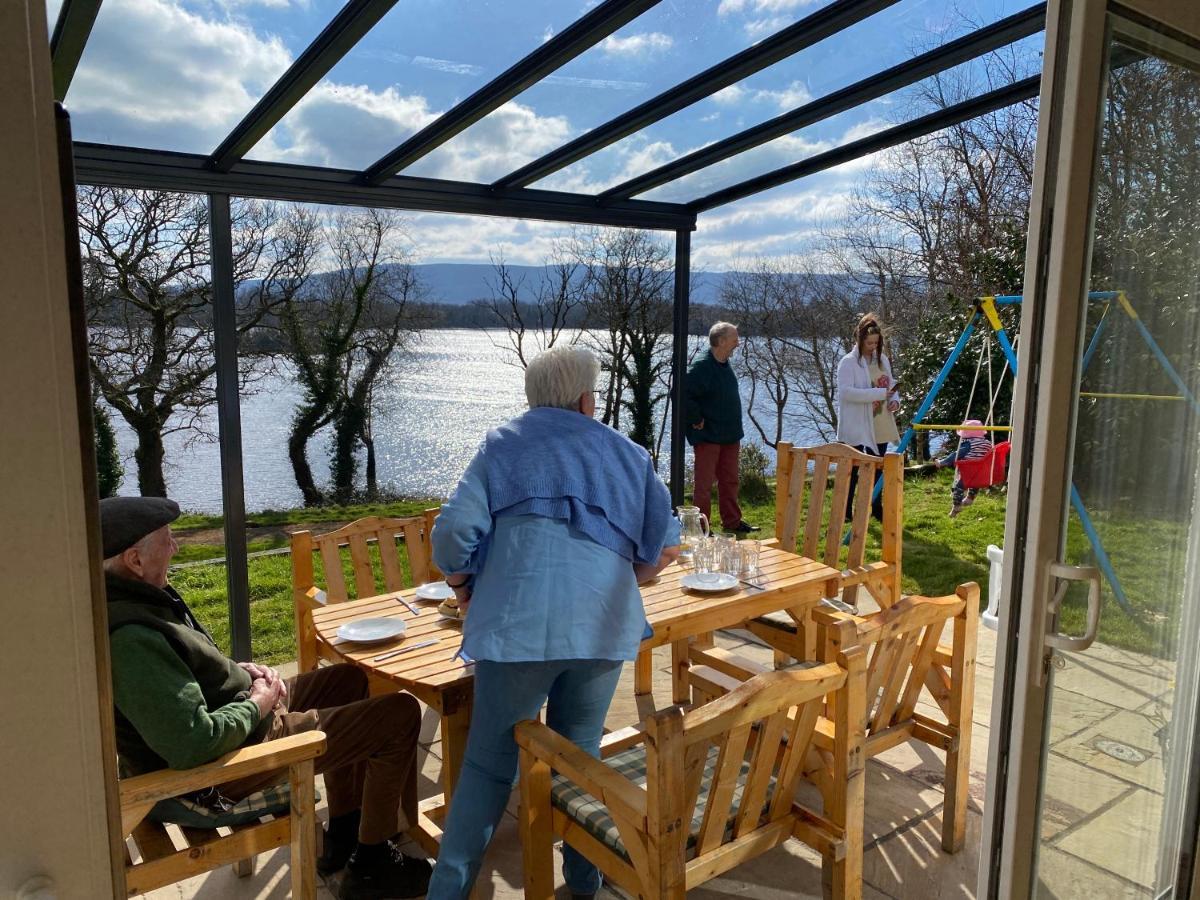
(718, 462)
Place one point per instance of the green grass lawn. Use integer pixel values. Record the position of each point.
(939, 554)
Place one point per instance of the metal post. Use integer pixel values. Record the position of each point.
(229, 425)
(679, 355)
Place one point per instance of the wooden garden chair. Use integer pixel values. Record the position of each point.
(729, 769)
(356, 540)
(811, 521)
(907, 661)
(292, 820)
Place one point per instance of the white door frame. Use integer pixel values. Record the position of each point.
(1056, 279)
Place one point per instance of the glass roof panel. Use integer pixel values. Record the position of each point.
(179, 74)
(667, 44)
(959, 83)
(890, 37)
(423, 57)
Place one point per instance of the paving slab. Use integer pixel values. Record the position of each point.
(1123, 840)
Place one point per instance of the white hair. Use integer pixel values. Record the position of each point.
(560, 376)
(718, 331)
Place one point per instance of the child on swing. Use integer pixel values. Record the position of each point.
(973, 444)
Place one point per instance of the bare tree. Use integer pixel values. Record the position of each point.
(340, 335)
(148, 296)
(534, 320)
(792, 321)
(629, 278)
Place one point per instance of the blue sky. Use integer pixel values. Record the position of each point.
(178, 74)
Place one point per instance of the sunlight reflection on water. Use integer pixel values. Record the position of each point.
(432, 411)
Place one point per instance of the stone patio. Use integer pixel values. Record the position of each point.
(1094, 805)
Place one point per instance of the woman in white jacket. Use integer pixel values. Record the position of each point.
(867, 398)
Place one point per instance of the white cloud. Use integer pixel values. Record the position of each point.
(204, 74)
(730, 7)
(795, 94)
(757, 29)
(729, 96)
(637, 44)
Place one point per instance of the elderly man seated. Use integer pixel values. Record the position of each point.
(180, 702)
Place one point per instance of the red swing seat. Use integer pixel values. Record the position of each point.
(987, 470)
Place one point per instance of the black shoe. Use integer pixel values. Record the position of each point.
(393, 876)
(575, 896)
(335, 853)
(744, 528)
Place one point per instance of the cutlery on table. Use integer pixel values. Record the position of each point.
(417, 646)
(412, 609)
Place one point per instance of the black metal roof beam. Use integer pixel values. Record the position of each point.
(356, 18)
(71, 31)
(835, 17)
(132, 167)
(970, 46)
(927, 124)
(580, 36)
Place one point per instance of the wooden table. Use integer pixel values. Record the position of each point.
(444, 683)
(790, 583)
(431, 674)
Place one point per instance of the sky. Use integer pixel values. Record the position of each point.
(179, 74)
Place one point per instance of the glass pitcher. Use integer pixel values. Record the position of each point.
(693, 528)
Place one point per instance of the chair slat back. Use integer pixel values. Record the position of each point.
(822, 506)
(753, 740)
(902, 642)
(375, 573)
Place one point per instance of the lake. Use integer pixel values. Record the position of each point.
(432, 411)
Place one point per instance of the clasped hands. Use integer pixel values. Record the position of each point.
(268, 690)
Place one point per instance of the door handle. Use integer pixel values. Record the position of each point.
(1056, 640)
(1064, 574)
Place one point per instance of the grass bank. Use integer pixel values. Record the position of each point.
(939, 554)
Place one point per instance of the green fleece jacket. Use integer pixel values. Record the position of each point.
(711, 394)
(180, 702)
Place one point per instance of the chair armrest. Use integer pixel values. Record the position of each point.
(824, 615)
(621, 739)
(598, 779)
(264, 757)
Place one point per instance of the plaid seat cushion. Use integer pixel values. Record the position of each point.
(211, 810)
(591, 814)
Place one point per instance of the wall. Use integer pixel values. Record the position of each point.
(56, 751)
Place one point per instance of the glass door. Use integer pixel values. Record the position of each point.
(1093, 784)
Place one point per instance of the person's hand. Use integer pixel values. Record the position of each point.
(883, 381)
(699, 424)
(257, 671)
(462, 594)
(266, 695)
(893, 406)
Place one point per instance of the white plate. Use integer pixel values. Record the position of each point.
(708, 581)
(435, 590)
(371, 631)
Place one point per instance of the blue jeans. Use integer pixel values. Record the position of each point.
(579, 693)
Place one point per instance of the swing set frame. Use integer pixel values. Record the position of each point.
(986, 309)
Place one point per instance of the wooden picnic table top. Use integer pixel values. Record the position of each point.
(674, 612)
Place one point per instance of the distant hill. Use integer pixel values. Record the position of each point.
(459, 283)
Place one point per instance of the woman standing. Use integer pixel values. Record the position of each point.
(867, 399)
(555, 522)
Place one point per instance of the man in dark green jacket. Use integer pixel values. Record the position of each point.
(180, 702)
(714, 418)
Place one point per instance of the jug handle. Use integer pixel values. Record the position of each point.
(704, 522)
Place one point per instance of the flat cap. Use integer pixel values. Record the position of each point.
(126, 520)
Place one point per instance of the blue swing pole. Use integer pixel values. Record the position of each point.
(1094, 342)
(1157, 351)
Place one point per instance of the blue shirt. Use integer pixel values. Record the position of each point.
(542, 589)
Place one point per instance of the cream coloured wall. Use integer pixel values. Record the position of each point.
(55, 722)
